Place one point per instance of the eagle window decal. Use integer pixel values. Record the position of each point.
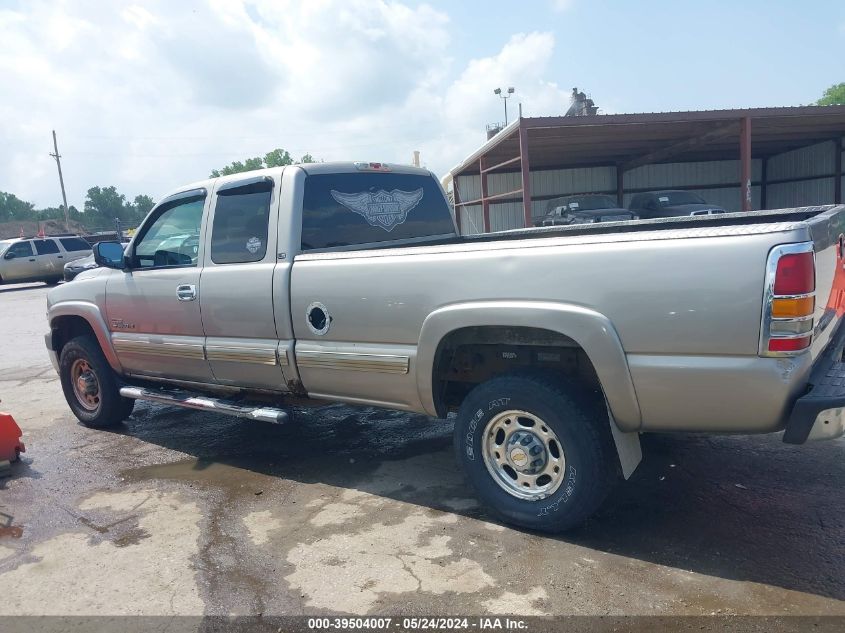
(383, 209)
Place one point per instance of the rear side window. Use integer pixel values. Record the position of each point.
(367, 208)
(75, 244)
(46, 247)
(20, 249)
(241, 216)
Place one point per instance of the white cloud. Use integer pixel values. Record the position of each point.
(150, 97)
(562, 5)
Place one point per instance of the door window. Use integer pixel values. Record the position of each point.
(75, 244)
(172, 237)
(46, 247)
(21, 249)
(239, 234)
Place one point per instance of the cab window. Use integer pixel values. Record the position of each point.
(368, 208)
(172, 238)
(46, 247)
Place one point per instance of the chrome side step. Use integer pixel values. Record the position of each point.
(206, 403)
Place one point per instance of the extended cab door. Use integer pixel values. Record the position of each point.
(153, 308)
(242, 345)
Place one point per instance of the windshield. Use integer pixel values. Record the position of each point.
(671, 198)
(4, 244)
(584, 203)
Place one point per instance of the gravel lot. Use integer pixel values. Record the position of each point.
(362, 511)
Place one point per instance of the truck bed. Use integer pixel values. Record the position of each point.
(755, 221)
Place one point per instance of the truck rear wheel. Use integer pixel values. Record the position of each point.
(537, 454)
(90, 385)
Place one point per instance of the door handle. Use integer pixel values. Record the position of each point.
(32, 259)
(60, 256)
(186, 292)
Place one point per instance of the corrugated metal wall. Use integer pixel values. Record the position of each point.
(704, 178)
(809, 163)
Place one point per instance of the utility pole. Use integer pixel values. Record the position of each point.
(58, 158)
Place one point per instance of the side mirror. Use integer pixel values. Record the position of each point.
(9, 256)
(109, 255)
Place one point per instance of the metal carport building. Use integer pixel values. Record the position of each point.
(739, 159)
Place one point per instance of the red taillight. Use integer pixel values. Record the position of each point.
(788, 301)
(795, 274)
(789, 344)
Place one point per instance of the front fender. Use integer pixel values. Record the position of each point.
(590, 329)
(91, 313)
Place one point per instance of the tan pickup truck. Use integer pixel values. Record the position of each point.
(556, 347)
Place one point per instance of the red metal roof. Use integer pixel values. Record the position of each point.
(634, 139)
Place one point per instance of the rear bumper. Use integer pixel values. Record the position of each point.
(820, 413)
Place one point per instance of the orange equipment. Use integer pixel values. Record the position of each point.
(10, 438)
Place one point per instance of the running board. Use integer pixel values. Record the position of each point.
(206, 403)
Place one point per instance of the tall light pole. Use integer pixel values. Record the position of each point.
(504, 96)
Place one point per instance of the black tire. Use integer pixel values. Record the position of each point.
(111, 408)
(579, 421)
(52, 282)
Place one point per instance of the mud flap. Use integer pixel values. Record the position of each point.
(627, 447)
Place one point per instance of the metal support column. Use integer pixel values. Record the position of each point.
(485, 203)
(526, 176)
(837, 161)
(457, 203)
(620, 186)
(745, 162)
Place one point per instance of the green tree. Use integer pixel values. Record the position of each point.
(835, 95)
(141, 206)
(277, 158)
(13, 208)
(103, 205)
(56, 213)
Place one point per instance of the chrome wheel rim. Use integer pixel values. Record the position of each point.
(86, 387)
(523, 455)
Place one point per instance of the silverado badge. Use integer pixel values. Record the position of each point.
(384, 209)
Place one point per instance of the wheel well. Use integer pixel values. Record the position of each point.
(469, 356)
(65, 328)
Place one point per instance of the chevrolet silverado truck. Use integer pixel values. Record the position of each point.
(555, 347)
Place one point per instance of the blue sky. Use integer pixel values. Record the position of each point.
(654, 56)
(147, 95)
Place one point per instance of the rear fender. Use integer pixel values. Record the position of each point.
(592, 331)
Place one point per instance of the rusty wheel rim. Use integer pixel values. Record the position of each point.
(86, 386)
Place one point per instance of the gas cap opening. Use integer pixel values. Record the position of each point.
(318, 318)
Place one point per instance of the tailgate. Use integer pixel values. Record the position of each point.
(827, 230)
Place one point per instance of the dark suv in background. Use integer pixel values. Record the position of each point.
(583, 209)
(671, 203)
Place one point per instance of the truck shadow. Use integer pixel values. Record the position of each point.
(21, 288)
(738, 508)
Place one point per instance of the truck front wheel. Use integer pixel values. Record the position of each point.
(538, 454)
(90, 385)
